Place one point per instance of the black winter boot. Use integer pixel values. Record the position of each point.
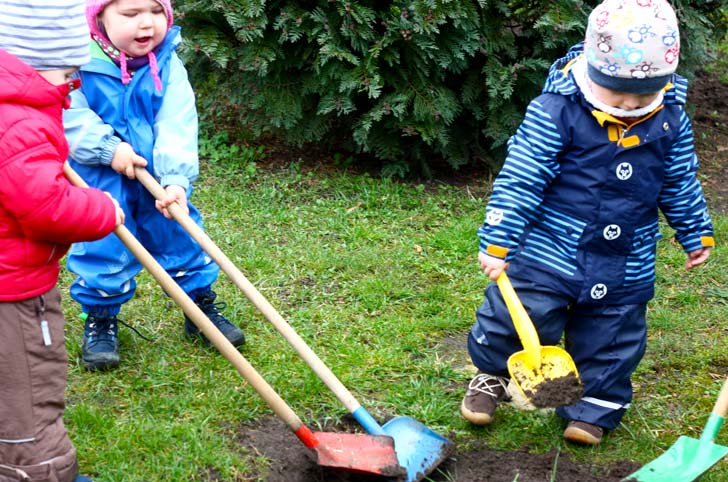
(100, 349)
(206, 302)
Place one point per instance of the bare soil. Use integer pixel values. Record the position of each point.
(548, 392)
(288, 460)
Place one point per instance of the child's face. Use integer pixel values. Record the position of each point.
(622, 100)
(135, 26)
(58, 76)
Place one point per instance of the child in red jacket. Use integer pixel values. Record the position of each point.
(42, 42)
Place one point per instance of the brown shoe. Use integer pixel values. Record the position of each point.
(484, 393)
(583, 433)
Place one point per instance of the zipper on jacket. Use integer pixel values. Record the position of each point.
(44, 330)
(617, 129)
(53, 253)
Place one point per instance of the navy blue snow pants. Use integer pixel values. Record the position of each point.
(606, 342)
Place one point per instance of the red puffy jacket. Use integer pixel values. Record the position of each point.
(41, 213)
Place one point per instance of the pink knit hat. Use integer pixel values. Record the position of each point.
(94, 8)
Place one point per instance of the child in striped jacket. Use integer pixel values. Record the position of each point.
(574, 212)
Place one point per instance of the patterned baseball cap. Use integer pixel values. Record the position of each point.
(45, 34)
(632, 45)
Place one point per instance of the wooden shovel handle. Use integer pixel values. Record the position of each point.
(255, 297)
(721, 405)
(226, 348)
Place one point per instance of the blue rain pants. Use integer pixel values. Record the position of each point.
(106, 269)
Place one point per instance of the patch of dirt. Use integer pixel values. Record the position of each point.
(290, 461)
(544, 391)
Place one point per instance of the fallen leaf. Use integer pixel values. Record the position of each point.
(357, 206)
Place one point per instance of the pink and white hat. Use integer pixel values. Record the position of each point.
(94, 8)
(632, 45)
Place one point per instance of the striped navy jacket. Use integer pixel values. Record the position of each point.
(576, 202)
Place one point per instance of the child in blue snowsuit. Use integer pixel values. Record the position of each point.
(574, 213)
(136, 108)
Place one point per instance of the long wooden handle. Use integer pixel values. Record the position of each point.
(255, 297)
(721, 405)
(226, 348)
(524, 326)
(715, 420)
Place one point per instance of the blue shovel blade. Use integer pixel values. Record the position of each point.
(685, 461)
(419, 449)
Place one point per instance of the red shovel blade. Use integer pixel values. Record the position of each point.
(369, 454)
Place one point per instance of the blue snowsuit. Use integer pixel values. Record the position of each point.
(574, 211)
(161, 126)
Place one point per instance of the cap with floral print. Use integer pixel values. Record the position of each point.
(632, 45)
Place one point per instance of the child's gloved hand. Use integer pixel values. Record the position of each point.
(697, 257)
(120, 216)
(125, 160)
(491, 265)
(175, 194)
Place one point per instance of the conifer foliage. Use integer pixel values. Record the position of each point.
(405, 81)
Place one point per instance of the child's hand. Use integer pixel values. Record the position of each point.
(697, 257)
(175, 194)
(120, 216)
(491, 266)
(125, 160)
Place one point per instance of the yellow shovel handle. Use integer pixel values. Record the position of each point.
(526, 331)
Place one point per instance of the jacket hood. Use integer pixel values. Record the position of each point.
(21, 84)
(561, 81)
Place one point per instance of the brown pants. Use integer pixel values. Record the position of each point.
(34, 445)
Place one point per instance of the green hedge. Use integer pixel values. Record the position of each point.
(405, 81)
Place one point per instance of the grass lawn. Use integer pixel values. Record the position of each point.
(381, 279)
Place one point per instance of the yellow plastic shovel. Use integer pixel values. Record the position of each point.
(546, 375)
